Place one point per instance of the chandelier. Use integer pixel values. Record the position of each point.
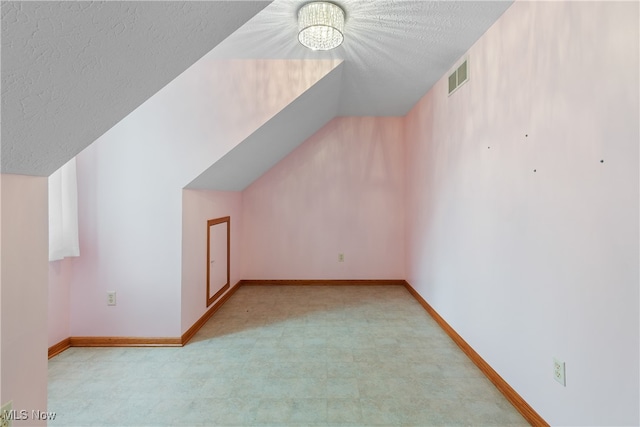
(320, 25)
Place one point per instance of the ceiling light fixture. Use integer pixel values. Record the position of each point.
(320, 25)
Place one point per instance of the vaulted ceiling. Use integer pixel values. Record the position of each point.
(394, 50)
(72, 70)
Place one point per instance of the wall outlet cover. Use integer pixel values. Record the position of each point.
(559, 371)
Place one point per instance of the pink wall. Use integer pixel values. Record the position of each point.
(25, 254)
(197, 208)
(130, 188)
(59, 300)
(341, 191)
(527, 265)
(129, 221)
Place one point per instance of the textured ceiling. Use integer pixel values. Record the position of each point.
(394, 51)
(72, 70)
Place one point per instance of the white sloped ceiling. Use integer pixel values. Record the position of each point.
(72, 70)
(394, 50)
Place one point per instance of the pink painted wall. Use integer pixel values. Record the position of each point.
(527, 265)
(197, 208)
(341, 191)
(23, 269)
(1, 275)
(59, 300)
(130, 188)
(129, 243)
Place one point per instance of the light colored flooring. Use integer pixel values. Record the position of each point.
(286, 356)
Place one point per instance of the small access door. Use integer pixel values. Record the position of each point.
(218, 260)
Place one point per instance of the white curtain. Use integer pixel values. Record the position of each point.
(63, 213)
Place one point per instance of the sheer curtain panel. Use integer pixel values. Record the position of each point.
(63, 213)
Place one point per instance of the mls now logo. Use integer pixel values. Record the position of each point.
(23, 414)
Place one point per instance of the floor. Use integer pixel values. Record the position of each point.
(286, 356)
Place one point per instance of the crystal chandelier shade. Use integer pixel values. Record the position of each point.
(320, 25)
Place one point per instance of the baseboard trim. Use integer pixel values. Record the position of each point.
(189, 333)
(124, 342)
(58, 348)
(509, 393)
(320, 282)
(215, 296)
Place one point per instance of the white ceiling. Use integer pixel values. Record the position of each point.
(394, 50)
(72, 70)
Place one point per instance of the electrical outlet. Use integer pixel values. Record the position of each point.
(340, 257)
(111, 298)
(6, 415)
(559, 371)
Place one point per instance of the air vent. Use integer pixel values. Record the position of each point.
(453, 81)
(458, 77)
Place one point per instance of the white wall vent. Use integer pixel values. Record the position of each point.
(458, 77)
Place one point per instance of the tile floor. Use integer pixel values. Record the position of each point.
(286, 356)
